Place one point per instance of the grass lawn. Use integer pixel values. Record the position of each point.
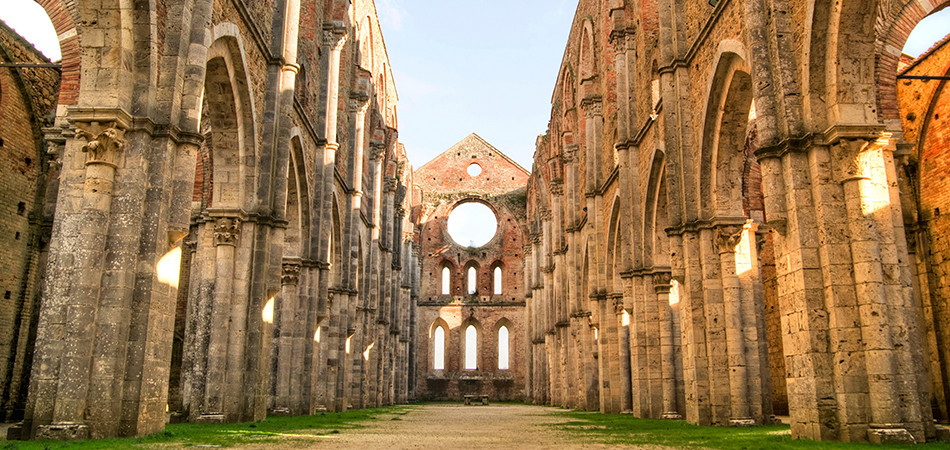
(301, 429)
(625, 429)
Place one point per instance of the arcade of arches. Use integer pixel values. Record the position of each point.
(735, 213)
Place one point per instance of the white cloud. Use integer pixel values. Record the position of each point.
(391, 13)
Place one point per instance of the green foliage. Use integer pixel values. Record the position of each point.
(301, 429)
(625, 429)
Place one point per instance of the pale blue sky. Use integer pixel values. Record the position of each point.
(487, 67)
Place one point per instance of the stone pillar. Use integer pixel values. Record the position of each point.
(850, 326)
(286, 317)
(622, 322)
(357, 107)
(727, 239)
(661, 285)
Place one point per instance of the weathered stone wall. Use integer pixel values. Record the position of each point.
(774, 269)
(222, 236)
(27, 103)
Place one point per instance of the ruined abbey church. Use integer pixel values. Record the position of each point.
(734, 214)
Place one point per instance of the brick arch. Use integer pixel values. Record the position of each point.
(63, 19)
(447, 348)
(888, 49)
(462, 349)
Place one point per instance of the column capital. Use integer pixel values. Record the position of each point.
(334, 36)
(290, 273)
(851, 158)
(103, 142)
(389, 183)
(569, 154)
(592, 106)
(227, 230)
(377, 150)
(728, 237)
(358, 102)
(557, 187)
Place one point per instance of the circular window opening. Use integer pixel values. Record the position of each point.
(472, 224)
(474, 170)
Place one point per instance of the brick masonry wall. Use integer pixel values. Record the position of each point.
(27, 100)
(925, 117)
(442, 184)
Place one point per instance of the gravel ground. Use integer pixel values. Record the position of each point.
(453, 426)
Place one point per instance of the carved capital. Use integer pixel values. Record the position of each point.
(359, 102)
(290, 274)
(592, 106)
(728, 237)
(618, 305)
(377, 150)
(334, 37)
(408, 236)
(103, 142)
(227, 230)
(851, 160)
(389, 183)
(662, 279)
(557, 187)
(569, 154)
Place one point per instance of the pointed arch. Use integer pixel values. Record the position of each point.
(228, 105)
(725, 127)
(497, 275)
(655, 240)
(471, 269)
(503, 332)
(614, 248)
(586, 55)
(471, 333)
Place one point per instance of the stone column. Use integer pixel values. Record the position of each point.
(286, 316)
(661, 285)
(357, 107)
(727, 239)
(622, 322)
(227, 231)
(849, 325)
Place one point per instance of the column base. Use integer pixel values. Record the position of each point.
(743, 422)
(890, 436)
(279, 412)
(64, 431)
(942, 433)
(671, 416)
(210, 418)
(15, 432)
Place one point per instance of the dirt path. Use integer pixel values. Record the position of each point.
(455, 426)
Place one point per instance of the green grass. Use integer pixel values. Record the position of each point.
(625, 429)
(302, 429)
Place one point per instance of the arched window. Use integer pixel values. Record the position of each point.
(446, 281)
(471, 348)
(438, 338)
(497, 280)
(503, 348)
(472, 288)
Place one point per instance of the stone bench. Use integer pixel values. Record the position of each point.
(474, 397)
